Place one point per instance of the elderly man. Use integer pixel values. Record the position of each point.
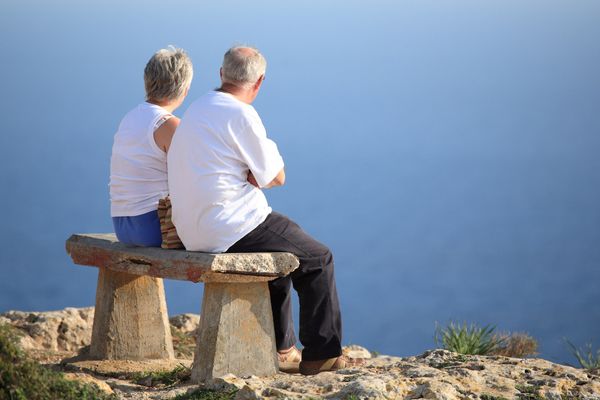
(219, 162)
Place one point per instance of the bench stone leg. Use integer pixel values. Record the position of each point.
(236, 332)
(130, 320)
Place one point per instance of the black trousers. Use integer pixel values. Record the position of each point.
(320, 318)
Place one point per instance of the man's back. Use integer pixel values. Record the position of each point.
(218, 159)
(220, 139)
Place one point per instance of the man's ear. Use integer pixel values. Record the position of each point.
(221, 73)
(259, 82)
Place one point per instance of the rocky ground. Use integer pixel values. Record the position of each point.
(54, 338)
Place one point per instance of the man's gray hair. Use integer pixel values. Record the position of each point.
(168, 74)
(243, 66)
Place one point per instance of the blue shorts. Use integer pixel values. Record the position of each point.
(141, 230)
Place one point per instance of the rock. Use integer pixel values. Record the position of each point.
(552, 395)
(364, 388)
(185, 323)
(355, 351)
(226, 383)
(70, 330)
(439, 390)
(67, 330)
(249, 388)
(249, 393)
(435, 374)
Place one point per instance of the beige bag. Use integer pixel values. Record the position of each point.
(170, 239)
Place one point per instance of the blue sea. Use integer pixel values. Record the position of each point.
(447, 151)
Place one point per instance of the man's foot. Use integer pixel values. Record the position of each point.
(289, 360)
(329, 364)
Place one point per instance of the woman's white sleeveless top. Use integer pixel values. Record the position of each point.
(138, 167)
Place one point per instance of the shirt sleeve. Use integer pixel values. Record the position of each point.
(258, 151)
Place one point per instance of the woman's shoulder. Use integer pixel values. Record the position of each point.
(163, 135)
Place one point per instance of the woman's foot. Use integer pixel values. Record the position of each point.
(329, 364)
(289, 360)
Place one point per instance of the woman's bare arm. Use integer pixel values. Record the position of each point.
(164, 134)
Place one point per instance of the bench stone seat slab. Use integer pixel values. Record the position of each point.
(104, 250)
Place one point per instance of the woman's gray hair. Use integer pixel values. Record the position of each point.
(168, 74)
(243, 66)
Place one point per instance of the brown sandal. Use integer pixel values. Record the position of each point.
(329, 364)
(289, 360)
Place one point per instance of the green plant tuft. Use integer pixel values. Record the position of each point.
(24, 379)
(570, 396)
(452, 362)
(374, 353)
(180, 373)
(184, 344)
(586, 357)
(205, 394)
(491, 397)
(530, 392)
(465, 339)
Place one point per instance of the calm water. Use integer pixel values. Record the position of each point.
(447, 153)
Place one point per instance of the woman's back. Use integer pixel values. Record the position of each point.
(138, 167)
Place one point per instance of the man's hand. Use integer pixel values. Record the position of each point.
(252, 180)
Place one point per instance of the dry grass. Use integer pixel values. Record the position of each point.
(517, 344)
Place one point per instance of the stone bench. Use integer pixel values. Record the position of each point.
(131, 323)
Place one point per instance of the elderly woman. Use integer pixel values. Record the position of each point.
(138, 167)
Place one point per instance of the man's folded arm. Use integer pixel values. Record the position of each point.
(259, 153)
(279, 180)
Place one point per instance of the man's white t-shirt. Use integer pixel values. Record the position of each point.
(219, 140)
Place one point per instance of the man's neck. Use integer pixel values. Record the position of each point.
(242, 94)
